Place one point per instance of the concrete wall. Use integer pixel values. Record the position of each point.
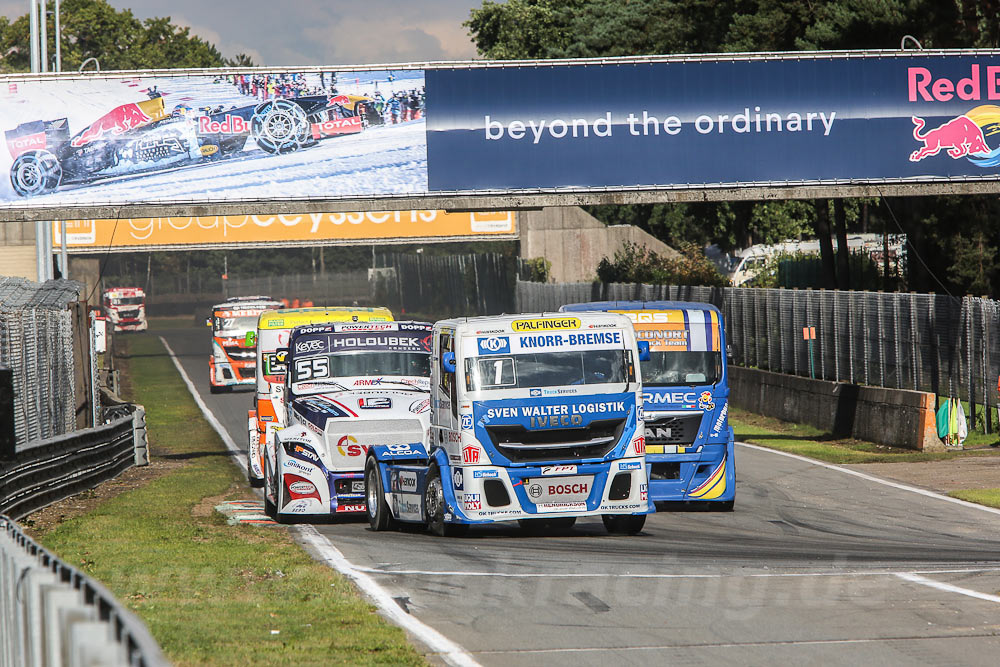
(894, 417)
(17, 250)
(575, 241)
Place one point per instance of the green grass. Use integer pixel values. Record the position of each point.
(809, 441)
(988, 497)
(214, 594)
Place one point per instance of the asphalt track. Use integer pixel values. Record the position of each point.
(815, 566)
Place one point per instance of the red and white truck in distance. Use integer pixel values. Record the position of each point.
(125, 308)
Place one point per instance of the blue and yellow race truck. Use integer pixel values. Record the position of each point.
(689, 443)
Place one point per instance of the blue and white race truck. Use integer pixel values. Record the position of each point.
(534, 418)
(348, 387)
(689, 443)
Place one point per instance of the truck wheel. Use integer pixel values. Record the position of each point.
(280, 126)
(624, 524)
(434, 508)
(35, 173)
(546, 526)
(269, 508)
(379, 514)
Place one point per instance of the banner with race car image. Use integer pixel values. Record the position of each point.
(716, 121)
(161, 138)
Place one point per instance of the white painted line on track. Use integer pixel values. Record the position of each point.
(446, 649)
(608, 575)
(951, 588)
(209, 415)
(872, 478)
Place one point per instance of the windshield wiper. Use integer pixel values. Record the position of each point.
(408, 385)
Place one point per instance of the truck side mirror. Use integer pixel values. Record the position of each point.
(448, 361)
(251, 339)
(643, 350)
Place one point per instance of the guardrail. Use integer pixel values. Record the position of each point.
(53, 614)
(46, 471)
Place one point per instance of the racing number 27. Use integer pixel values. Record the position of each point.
(311, 368)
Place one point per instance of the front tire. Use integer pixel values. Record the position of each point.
(280, 126)
(35, 173)
(434, 505)
(623, 524)
(379, 515)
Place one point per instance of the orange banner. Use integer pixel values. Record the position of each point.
(326, 228)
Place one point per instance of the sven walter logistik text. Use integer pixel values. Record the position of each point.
(746, 121)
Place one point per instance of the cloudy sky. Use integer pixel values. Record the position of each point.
(316, 32)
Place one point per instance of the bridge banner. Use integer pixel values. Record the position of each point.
(183, 233)
(481, 135)
(693, 122)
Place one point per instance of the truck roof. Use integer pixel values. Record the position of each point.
(637, 305)
(289, 318)
(532, 322)
(244, 304)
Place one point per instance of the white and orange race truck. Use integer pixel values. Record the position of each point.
(272, 333)
(234, 331)
(125, 308)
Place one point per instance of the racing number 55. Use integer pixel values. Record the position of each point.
(311, 368)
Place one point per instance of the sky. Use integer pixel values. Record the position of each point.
(315, 32)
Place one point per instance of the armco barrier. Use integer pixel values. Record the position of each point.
(894, 417)
(53, 614)
(49, 470)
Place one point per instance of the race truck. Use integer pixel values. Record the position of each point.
(125, 308)
(234, 341)
(274, 327)
(534, 418)
(689, 443)
(139, 137)
(349, 387)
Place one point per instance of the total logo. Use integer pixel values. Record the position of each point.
(470, 454)
(347, 446)
(229, 125)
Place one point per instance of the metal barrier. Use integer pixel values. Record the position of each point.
(46, 471)
(925, 342)
(53, 614)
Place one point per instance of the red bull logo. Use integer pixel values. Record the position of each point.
(229, 125)
(338, 100)
(116, 122)
(959, 137)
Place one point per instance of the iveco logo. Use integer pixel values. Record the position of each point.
(494, 344)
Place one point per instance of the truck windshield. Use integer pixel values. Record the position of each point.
(671, 368)
(390, 369)
(549, 369)
(234, 326)
(127, 301)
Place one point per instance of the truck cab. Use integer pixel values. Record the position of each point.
(234, 341)
(689, 443)
(125, 308)
(534, 418)
(349, 387)
(274, 328)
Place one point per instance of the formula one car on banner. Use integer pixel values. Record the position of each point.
(141, 136)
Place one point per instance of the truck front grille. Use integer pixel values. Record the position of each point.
(673, 430)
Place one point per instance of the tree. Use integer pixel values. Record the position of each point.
(93, 28)
(637, 264)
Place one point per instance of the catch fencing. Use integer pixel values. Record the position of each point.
(43, 345)
(53, 614)
(926, 342)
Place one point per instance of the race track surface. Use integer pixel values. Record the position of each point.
(815, 566)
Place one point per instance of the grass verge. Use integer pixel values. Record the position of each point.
(214, 594)
(988, 497)
(808, 441)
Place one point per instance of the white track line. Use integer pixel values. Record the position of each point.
(951, 588)
(607, 575)
(209, 415)
(449, 651)
(877, 480)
